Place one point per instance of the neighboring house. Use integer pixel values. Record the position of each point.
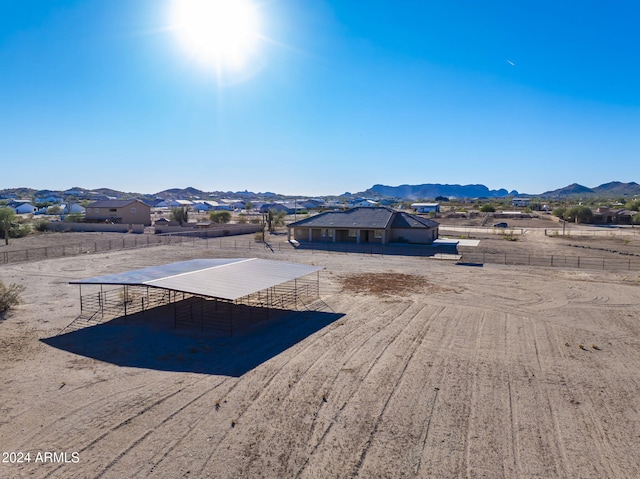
(211, 206)
(205, 205)
(287, 207)
(364, 203)
(605, 215)
(15, 203)
(378, 225)
(119, 212)
(25, 208)
(72, 208)
(223, 207)
(48, 199)
(520, 202)
(333, 205)
(180, 204)
(426, 207)
(159, 203)
(311, 204)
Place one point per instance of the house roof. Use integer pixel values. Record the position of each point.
(366, 217)
(223, 278)
(359, 217)
(406, 220)
(114, 203)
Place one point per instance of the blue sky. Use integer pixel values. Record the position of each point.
(335, 96)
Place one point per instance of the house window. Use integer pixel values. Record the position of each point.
(133, 210)
(353, 233)
(97, 210)
(327, 232)
(113, 210)
(377, 234)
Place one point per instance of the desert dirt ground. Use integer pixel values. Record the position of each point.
(415, 368)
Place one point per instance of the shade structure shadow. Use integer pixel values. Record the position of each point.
(152, 342)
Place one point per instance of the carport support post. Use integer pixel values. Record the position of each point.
(80, 298)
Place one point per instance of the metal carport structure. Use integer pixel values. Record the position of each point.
(220, 294)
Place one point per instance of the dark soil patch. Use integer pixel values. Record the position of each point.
(388, 284)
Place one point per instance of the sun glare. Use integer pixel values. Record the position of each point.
(218, 33)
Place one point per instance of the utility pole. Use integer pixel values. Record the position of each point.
(564, 216)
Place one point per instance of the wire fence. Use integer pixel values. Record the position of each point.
(199, 237)
(629, 263)
(608, 232)
(86, 247)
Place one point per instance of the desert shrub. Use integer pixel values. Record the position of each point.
(9, 296)
(40, 225)
(20, 231)
(487, 208)
(220, 216)
(74, 218)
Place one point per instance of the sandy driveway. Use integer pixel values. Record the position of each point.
(487, 371)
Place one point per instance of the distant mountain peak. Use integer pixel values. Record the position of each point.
(433, 190)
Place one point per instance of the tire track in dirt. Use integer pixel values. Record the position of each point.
(346, 349)
(382, 439)
(356, 389)
(528, 386)
(130, 420)
(580, 419)
(345, 338)
(473, 387)
(443, 452)
(406, 359)
(63, 403)
(151, 430)
(355, 352)
(561, 452)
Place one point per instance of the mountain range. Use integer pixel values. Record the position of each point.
(414, 192)
(403, 192)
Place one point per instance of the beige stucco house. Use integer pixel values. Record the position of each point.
(119, 212)
(373, 225)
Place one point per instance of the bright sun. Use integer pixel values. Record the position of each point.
(218, 33)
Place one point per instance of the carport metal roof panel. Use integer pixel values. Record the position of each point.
(218, 278)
